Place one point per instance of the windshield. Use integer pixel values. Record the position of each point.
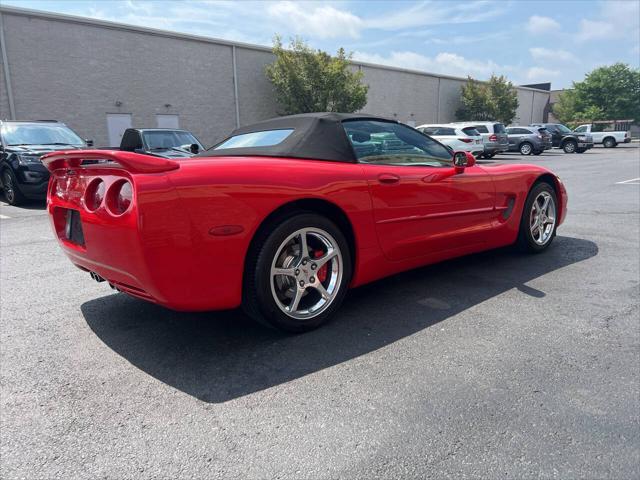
(563, 129)
(168, 139)
(39, 134)
(389, 143)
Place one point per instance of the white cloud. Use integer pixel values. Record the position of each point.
(322, 22)
(436, 13)
(467, 39)
(541, 73)
(555, 56)
(616, 20)
(538, 24)
(444, 63)
(594, 30)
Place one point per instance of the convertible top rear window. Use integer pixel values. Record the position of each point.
(266, 138)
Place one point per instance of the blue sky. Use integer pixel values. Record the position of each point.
(528, 41)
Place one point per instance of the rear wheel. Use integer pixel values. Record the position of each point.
(298, 274)
(609, 142)
(12, 192)
(526, 148)
(489, 155)
(570, 146)
(539, 219)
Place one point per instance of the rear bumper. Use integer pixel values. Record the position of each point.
(153, 251)
(494, 147)
(627, 140)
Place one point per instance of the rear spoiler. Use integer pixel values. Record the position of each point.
(132, 162)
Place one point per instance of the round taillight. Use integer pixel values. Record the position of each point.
(120, 197)
(94, 195)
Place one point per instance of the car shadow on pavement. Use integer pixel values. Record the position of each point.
(220, 356)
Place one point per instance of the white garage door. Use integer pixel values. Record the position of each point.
(117, 123)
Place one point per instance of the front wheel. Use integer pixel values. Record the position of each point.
(570, 146)
(538, 223)
(298, 274)
(12, 192)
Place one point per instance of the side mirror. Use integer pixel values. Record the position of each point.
(139, 150)
(88, 142)
(194, 148)
(462, 160)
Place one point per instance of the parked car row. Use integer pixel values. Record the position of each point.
(463, 136)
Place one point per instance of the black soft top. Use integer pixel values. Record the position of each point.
(318, 136)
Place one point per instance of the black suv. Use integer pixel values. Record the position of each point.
(22, 174)
(566, 139)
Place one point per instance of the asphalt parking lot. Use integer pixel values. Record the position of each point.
(494, 365)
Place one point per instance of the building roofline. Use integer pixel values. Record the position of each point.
(63, 17)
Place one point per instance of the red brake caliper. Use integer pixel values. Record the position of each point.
(322, 273)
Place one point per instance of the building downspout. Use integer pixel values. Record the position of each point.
(438, 103)
(533, 98)
(235, 85)
(7, 76)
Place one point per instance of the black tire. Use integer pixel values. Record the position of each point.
(525, 241)
(12, 193)
(489, 155)
(609, 142)
(570, 146)
(525, 148)
(258, 301)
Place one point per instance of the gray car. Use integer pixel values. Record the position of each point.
(528, 140)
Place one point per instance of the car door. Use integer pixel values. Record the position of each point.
(556, 136)
(513, 137)
(425, 208)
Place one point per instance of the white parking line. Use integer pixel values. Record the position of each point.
(3, 217)
(633, 181)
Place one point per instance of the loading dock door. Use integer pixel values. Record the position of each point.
(167, 121)
(117, 123)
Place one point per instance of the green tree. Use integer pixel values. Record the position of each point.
(496, 99)
(606, 93)
(307, 80)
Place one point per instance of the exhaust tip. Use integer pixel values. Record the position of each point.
(96, 277)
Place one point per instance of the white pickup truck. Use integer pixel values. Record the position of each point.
(607, 139)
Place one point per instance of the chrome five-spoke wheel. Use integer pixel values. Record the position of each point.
(306, 273)
(542, 218)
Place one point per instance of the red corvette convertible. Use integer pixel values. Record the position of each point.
(283, 216)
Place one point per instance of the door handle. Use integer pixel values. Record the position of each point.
(388, 178)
